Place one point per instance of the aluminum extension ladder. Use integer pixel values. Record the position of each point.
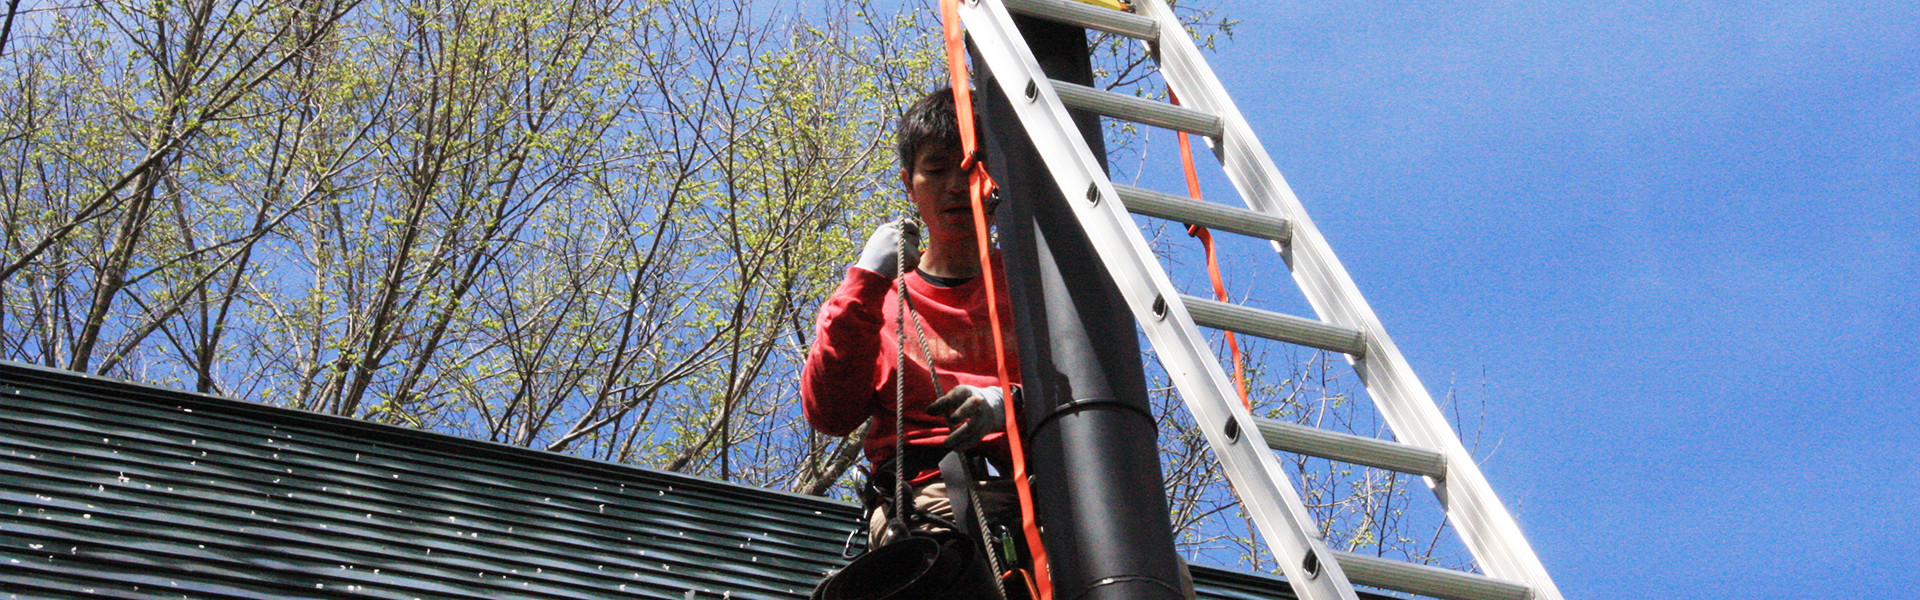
(1427, 446)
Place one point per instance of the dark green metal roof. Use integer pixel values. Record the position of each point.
(111, 489)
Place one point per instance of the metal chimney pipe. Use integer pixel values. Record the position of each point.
(1089, 428)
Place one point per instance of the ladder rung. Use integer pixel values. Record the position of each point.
(1088, 16)
(1275, 326)
(1401, 576)
(1154, 203)
(1314, 441)
(1138, 110)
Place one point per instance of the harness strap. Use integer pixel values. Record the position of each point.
(958, 471)
(959, 480)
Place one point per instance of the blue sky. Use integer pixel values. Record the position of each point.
(1681, 240)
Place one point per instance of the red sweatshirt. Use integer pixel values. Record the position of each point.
(850, 371)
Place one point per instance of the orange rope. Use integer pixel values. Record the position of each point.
(1213, 262)
(979, 185)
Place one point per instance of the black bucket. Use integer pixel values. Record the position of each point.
(921, 566)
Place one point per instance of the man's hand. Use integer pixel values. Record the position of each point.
(973, 412)
(882, 252)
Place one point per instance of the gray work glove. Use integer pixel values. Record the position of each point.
(972, 412)
(881, 254)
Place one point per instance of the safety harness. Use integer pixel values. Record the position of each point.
(956, 558)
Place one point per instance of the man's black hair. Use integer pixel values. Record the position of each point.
(930, 122)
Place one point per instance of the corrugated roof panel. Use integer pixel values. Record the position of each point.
(113, 489)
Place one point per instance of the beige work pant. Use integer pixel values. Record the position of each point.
(997, 498)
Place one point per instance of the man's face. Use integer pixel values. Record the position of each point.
(939, 190)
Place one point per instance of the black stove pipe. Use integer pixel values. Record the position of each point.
(1089, 428)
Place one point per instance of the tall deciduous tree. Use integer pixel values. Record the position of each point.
(597, 226)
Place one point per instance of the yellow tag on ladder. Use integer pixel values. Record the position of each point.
(1113, 4)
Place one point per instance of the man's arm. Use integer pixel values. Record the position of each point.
(837, 385)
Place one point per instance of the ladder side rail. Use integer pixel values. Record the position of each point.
(1310, 568)
(1486, 527)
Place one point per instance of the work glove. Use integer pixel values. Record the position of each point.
(882, 252)
(972, 412)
